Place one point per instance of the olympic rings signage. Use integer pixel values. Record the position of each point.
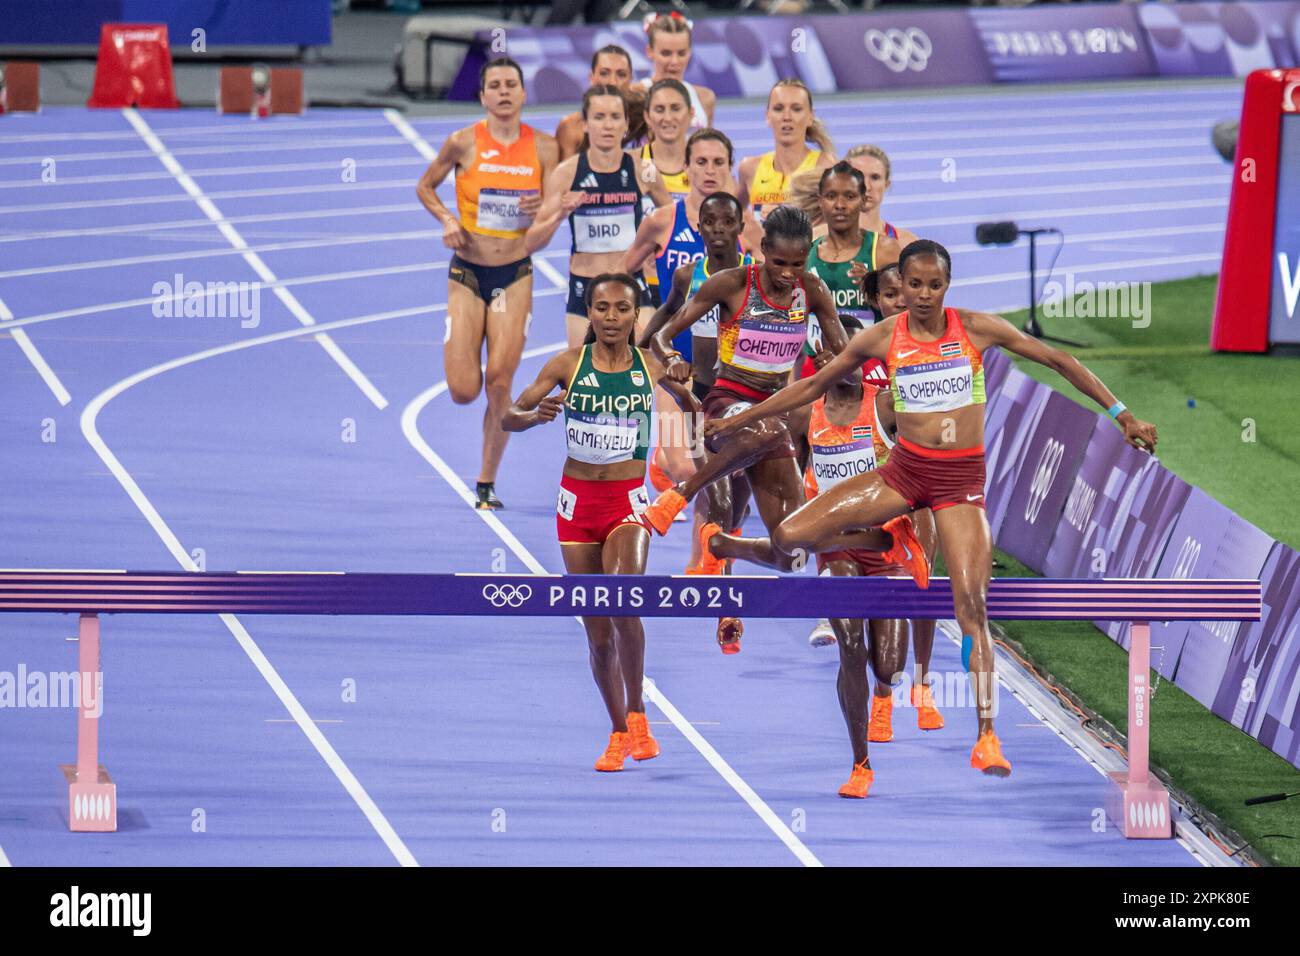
(899, 49)
(582, 597)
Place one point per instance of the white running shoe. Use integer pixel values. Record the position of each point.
(823, 635)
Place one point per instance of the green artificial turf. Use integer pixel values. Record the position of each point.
(1206, 406)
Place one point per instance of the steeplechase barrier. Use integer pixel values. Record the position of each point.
(1136, 800)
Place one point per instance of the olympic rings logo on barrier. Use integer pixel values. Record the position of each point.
(899, 50)
(1048, 465)
(507, 595)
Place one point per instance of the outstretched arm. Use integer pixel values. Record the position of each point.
(535, 405)
(716, 290)
(645, 244)
(453, 235)
(998, 331)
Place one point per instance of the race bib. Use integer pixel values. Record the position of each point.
(735, 408)
(814, 335)
(498, 209)
(706, 327)
(602, 439)
(604, 228)
(768, 346)
(934, 386)
(567, 504)
(835, 463)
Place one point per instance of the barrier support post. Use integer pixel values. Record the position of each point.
(92, 795)
(1136, 800)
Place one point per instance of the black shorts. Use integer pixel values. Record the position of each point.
(487, 282)
(577, 302)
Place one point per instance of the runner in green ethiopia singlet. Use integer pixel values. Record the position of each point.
(607, 414)
(849, 297)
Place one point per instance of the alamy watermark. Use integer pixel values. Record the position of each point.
(1098, 300)
(211, 300)
(39, 689)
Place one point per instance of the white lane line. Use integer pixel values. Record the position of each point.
(312, 189)
(1039, 215)
(356, 240)
(1140, 129)
(279, 146)
(545, 268)
(287, 298)
(1062, 169)
(410, 429)
(4, 860)
(362, 164)
(1206, 257)
(410, 135)
(341, 213)
(1076, 238)
(278, 125)
(1044, 707)
(1055, 189)
(89, 429)
(264, 667)
(34, 356)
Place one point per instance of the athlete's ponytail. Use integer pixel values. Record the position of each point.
(803, 193)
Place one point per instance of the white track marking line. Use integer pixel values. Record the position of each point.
(4, 860)
(264, 667)
(223, 251)
(312, 189)
(1044, 708)
(410, 429)
(279, 146)
(202, 173)
(410, 135)
(1075, 211)
(1015, 149)
(34, 356)
(949, 195)
(173, 544)
(1206, 257)
(165, 224)
(552, 273)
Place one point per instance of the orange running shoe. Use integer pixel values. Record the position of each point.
(658, 477)
(644, 747)
(859, 782)
(987, 756)
(907, 550)
(620, 745)
(880, 730)
(927, 714)
(729, 631)
(708, 563)
(664, 509)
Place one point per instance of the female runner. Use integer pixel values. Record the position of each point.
(763, 323)
(490, 277)
(599, 191)
(667, 112)
(765, 179)
(936, 376)
(669, 238)
(668, 43)
(611, 65)
(606, 388)
(873, 163)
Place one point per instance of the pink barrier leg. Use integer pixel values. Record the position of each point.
(1137, 800)
(92, 795)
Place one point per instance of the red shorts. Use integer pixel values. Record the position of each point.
(871, 563)
(933, 479)
(588, 511)
(731, 398)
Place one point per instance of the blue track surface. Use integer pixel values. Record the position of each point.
(460, 723)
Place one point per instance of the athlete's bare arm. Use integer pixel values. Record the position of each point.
(871, 343)
(995, 330)
(449, 158)
(652, 182)
(682, 395)
(822, 304)
(888, 250)
(535, 405)
(675, 300)
(721, 288)
(568, 135)
(708, 99)
(649, 239)
(548, 154)
(557, 203)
